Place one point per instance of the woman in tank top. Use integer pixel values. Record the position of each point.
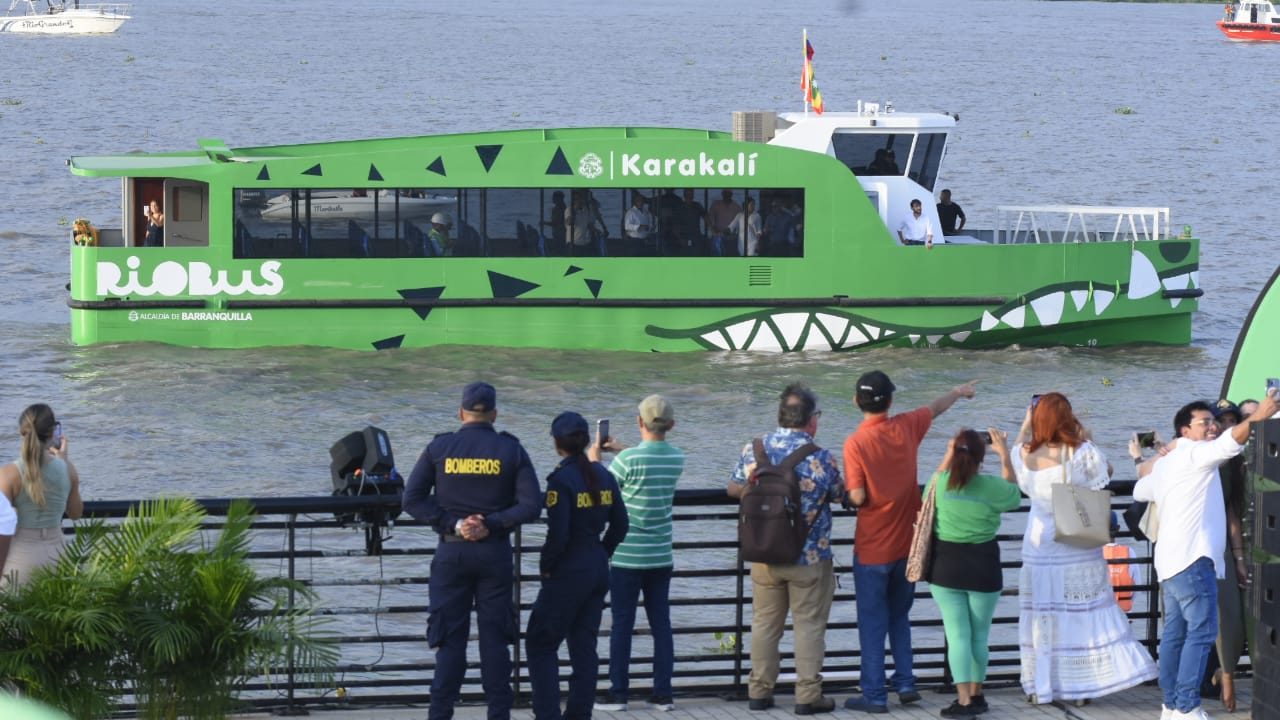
(43, 486)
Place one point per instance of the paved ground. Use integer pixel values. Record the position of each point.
(1006, 704)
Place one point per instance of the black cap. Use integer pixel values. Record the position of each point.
(479, 397)
(568, 423)
(1224, 406)
(874, 387)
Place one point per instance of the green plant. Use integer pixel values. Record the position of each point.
(181, 621)
(1124, 110)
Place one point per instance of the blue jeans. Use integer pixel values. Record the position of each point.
(884, 599)
(625, 586)
(1190, 628)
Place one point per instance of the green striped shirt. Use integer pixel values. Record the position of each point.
(647, 474)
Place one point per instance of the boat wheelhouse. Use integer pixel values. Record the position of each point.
(614, 238)
(1251, 20)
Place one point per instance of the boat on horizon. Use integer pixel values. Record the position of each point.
(540, 253)
(60, 18)
(356, 203)
(1251, 20)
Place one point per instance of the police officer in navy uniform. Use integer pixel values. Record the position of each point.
(474, 487)
(582, 499)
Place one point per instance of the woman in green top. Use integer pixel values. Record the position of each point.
(965, 577)
(43, 486)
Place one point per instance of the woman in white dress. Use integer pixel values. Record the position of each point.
(1075, 640)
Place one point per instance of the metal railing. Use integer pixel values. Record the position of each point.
(371, 579)
(1030, 224)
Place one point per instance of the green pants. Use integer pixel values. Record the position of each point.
(966, 619)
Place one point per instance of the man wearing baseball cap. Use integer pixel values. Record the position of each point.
(474, 487)
(647, 475)
(880, 474)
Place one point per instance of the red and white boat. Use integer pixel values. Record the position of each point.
(1251, 20)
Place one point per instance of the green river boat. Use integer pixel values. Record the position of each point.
(525, 239)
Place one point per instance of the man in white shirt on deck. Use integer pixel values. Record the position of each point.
(1185, 488)
(916, 229)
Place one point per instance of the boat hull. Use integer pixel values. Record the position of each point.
(597, 303)
(67, 22)
(1250, 32)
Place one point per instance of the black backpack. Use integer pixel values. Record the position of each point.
(771, 524)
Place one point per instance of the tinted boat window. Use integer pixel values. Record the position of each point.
(512, 222)
(859, 152)
(927, 158)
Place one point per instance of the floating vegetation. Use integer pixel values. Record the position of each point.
(130, 59)
(1124, 110)
(12, 102)
(1026, 133)
(63, 221)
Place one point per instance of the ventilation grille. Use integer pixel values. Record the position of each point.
(759, 276)
(754, 125)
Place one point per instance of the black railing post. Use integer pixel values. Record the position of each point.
(515, 589)
(740, 595)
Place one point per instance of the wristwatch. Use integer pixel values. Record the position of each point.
(457, 528)
(1137, 461)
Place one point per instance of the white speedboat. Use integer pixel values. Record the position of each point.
(340, 204)
(56, 17)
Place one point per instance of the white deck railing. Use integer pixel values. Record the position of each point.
(1026, 224)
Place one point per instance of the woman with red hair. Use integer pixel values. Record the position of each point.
(1075, 640)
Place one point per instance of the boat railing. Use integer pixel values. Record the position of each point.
(1037, 224)
(370, 575)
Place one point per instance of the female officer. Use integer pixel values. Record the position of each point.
(582, 498)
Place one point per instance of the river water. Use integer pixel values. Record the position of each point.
(1059, 102)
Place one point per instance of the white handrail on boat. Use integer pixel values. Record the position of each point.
(1026, 224)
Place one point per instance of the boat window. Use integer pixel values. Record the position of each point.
(927, 158)
(873, 154)
(516, 222)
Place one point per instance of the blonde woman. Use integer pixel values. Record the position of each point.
(43, 486)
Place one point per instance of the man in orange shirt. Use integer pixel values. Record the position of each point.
(880, 474)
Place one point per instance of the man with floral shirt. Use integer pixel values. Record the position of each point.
(806, 586)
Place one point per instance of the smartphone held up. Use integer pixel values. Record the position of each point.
(602, 432)
(1146, 439)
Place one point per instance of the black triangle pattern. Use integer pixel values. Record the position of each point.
(437, 166)
(430, 293)
(314, 170)
(488, 155)
(374, 175)
(594, 286)
(506, 286)
(390, 343)
(263, 174)
(572, 269)
(559, 164)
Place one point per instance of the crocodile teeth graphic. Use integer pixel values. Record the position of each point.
(1143, 280)
(1048, 309)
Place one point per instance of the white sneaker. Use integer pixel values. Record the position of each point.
(1195, 714)
(1165, 712)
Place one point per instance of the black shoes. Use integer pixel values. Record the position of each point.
(956, 710)
(758, 704)
(821, 705)
(906, 697)
(978, 703)
(662, 702)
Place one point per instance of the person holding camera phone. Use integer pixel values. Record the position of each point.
(155, 225)
(647, 475)
(965, 578)
(42, 486)
(1076, 643)
(1190, 557)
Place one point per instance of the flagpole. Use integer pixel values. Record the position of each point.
(804, 85)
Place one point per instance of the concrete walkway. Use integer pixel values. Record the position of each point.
(1006, 703)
